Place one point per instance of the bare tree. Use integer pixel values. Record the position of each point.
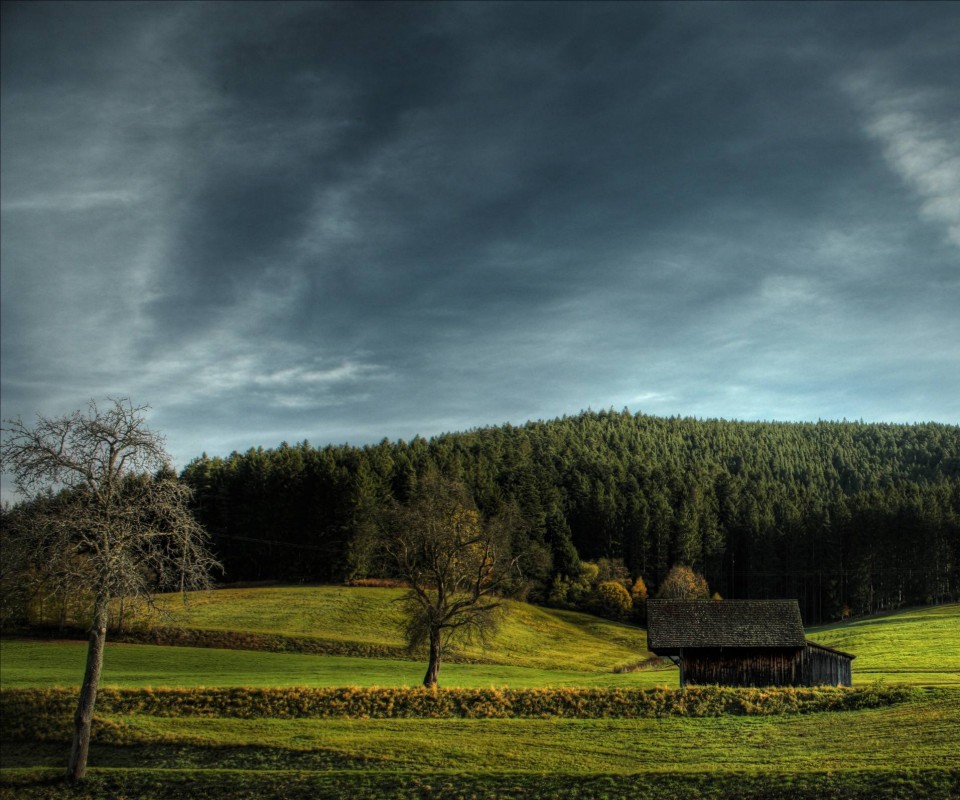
(456, 564)
(108, 520)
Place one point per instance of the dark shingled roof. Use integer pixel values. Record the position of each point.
(672, 624)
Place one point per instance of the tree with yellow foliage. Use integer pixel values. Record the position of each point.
(612, 600)
(682, 583)
(638, 596)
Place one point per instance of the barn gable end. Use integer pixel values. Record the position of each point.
(824, 665)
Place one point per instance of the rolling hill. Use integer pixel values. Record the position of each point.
(919, 645)
(533, 647)
(528, 635)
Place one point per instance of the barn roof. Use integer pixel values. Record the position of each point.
(672, 624)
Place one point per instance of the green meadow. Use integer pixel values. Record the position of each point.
(917, 646)
(29, 662)
(528, 636)
(907, 749)
(533, 647)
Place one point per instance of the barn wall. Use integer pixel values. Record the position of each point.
(821, 667)
(808, 666)
(743, 666)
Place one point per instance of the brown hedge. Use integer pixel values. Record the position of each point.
(247, 640)
(43, 713)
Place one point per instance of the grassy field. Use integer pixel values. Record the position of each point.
(30, 662)
(923, 733)
(919, 646)
(905, 750)
(916, 734)
(528, 636)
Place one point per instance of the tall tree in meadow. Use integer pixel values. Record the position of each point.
(109, 521)
(457, 565)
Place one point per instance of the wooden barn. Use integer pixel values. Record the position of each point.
(742, 643)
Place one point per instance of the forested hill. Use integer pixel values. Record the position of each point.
(837, 514)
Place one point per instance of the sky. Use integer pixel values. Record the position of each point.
(344, 222)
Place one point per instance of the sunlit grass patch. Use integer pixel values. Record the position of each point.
(528, 635)
(919, 646)
(40, 663)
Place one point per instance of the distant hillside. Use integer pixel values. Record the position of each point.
(838, 514)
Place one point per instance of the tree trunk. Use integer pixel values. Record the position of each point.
(433, 668)
(88, 693)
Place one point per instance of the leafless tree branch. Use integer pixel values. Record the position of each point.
(107, 519)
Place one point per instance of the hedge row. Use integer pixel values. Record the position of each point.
(246, 640)
(228, 640)
(25, 707)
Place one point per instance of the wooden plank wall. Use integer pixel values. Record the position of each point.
(821, 667)
(743, 666)
(806, 666)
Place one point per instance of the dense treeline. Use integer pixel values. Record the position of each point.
(846, 517)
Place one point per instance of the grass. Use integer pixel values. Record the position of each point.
(36, 663)
(528, 636)
(907, 750)
(920, 646)
(912, 735)
(245, 784)
(904, 750)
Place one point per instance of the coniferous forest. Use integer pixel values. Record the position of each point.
(848, 517)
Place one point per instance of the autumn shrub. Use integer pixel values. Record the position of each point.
(643, 665)
(583, 592)
(682, 583)
(612, 600)
(248, 640)
(574, 592)
(639, 595)
(264, 642)
(613, 569)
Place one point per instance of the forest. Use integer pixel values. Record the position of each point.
(850, 518)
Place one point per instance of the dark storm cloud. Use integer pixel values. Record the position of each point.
(304, 100)
(345, 221)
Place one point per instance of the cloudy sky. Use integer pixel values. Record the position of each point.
(346, 222)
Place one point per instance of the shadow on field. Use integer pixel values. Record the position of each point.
(160, 756)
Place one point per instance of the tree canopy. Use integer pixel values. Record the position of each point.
(833, 513)
(682, 583)
(456, 564)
